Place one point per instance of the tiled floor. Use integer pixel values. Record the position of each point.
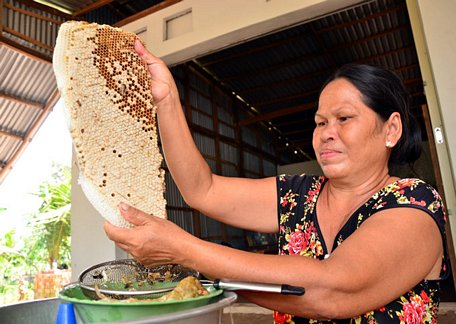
(447, 314)
(245, 313)
(247, 319)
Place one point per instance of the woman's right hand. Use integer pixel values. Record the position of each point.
(151, 240)
(162, 85)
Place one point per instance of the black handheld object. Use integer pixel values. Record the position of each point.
(292, 290)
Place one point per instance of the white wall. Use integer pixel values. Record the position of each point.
(439, 24)
(88, 240)
(434, 25)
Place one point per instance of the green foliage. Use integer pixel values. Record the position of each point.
(49, 239)
(51, 225)
(13, 262)
(10, 256)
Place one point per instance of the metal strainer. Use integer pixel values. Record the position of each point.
(122, 279)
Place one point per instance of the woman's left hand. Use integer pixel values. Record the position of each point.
(151, 240)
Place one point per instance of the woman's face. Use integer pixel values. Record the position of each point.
(349, 137)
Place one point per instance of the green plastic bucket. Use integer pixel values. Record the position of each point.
(96, 311)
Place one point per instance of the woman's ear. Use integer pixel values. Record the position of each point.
(393, 130)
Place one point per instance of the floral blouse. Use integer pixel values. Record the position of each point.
(301, 235)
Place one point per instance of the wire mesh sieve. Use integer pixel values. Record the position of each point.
(122, 279)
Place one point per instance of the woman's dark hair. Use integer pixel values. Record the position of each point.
(383, 91)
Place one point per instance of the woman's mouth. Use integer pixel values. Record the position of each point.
(328, 153)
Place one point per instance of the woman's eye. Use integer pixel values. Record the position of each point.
(320, 124)
(344, 118)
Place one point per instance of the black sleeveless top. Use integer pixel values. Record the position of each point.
(300, 235)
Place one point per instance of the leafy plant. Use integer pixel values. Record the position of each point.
(13, 263)
(51, 225)
(46, 242)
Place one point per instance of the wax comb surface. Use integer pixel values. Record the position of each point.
(112, 120)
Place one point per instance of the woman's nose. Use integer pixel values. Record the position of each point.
(328, 132)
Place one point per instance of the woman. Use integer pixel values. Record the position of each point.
(375, 253)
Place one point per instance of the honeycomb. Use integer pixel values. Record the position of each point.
(110, 113)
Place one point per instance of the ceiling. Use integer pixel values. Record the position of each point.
(278, 75)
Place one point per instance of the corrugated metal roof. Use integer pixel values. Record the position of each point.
(17, 68)
(27, 85)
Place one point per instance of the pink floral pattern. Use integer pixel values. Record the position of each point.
(300, 235)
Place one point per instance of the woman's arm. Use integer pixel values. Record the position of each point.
(388, 255)
(244, 203)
